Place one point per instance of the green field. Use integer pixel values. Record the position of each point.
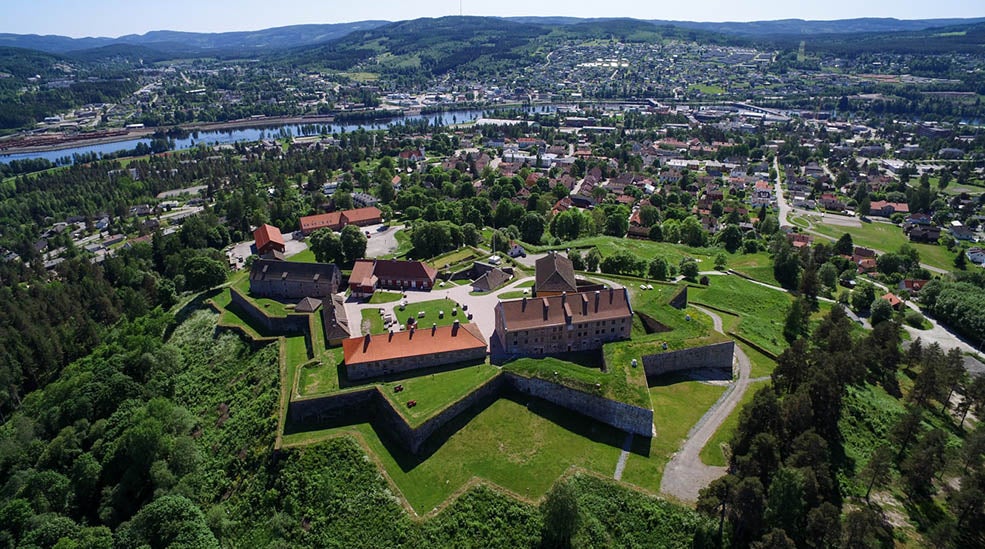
(523, 448)
(762, 365)
(884, 237)
(712, 453)
(321, 377)
(512, 294)
(431, 311)
(449, 259)
(384, 296)
(707, 89)
(374, 320)
(435, 391)
(677, 405)
(760, 311)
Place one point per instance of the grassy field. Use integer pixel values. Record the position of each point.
(521, 447)
(321, 377)
(762, 365)
(435, 391)
(384, 296)
(677, 405)
(885, 237)
(712, 453)
(306, 256)
(375, 322)
(757, 266)
(431, 311)
(446, 260)
(512, 294)
(761, 311)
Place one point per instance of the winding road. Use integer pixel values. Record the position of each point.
(685, 475)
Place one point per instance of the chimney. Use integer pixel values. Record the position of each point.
(584, 305)
(434, 328)
(366, 342)
(547, 308)
(523, 306)
(411, 336)
(612, 294)
(454, 329)
(598, 295)
(564, 298)
(390, 338)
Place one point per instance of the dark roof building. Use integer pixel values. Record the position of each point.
(335, 319)
(490, 280)
(291, 280)
(555, 275)
(307, 305)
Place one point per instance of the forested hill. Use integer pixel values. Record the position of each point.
(293, 36)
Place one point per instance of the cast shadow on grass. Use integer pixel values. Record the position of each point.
(345, 382)
(371, 413)
(704, 374)
(572, 422)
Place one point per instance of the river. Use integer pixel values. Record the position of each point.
(248, 134)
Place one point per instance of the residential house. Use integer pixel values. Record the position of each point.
(370, 274)
(893, 300)
(976, 255)
(924, 233)
(913, 286)
(290, 280)
(268, 239)
(881, 208)
(961, 232)
(563, 323)
(413, 349)
(516, 250)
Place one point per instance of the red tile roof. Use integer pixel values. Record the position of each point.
(311, 223)
(363, 215)
(426, 341)
(267, 235)
(526, 313)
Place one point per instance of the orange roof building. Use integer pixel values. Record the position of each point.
(336, 220)
(396, 352)
(268, 239)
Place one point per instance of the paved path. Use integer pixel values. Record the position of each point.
(623, 456)
(685, 474)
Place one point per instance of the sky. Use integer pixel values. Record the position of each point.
(113, 18)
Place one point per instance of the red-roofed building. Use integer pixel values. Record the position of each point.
(268, 239)
(882, 208)
(395, 352)
(866, 265)
(893, 300)
(336, 220)
(370, 274)
(911, 285)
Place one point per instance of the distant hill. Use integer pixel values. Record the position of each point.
(781, 26)
(246, 41)
(279, 38)
(801, 27)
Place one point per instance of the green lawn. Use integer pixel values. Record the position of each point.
(375, 321)
(760, 310)
(677, 405)
(712, 453)
(526, 284)
(451, 258)
(757, 266)
(435, 391)
(888, 238)
(707, 89)
(645, 249)
(321, 377)
(431, 313)
(522, 448)
(512, 294)
(306, 256)
(762, 365)
(384, 296)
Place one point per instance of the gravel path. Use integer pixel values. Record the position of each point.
(685, 474)
(621, 464)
